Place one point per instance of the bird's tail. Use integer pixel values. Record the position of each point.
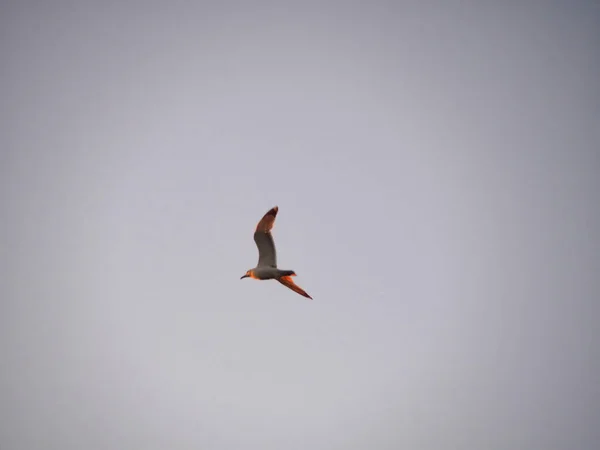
(287, 273)
(288, 282)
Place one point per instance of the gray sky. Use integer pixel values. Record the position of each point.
(437, 169)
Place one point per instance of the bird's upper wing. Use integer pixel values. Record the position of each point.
(288, 282)
(267, 256)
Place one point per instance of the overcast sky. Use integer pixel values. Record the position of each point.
(437, 170)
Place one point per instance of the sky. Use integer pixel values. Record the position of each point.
(437, 170)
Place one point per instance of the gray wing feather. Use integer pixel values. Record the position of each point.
(264, 240)
(267, 256)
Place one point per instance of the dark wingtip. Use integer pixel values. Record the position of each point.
(273, 211)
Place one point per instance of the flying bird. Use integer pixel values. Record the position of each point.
(266, 269)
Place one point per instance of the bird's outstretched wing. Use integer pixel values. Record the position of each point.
(288, 282)
(267, 256)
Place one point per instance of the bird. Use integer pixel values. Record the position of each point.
(266, 268)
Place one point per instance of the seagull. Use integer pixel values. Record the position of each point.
(266, 269)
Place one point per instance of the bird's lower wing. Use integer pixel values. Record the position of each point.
(288, 282)
(267, 256)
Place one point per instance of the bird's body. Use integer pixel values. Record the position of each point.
(270, 273)
(266, 269)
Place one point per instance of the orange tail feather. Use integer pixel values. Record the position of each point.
(288, 282)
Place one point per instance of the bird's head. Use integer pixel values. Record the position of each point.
(247, 274)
